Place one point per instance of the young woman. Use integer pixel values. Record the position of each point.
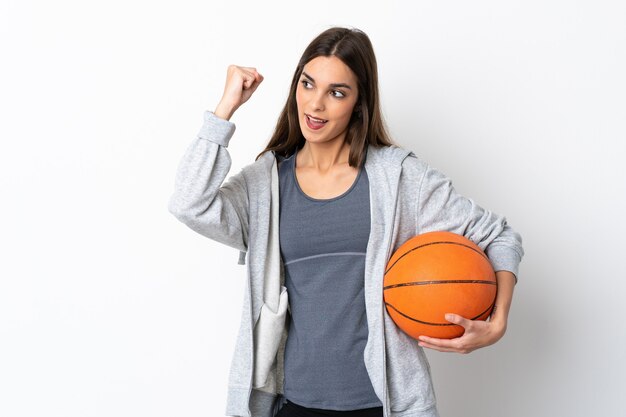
(318, 215)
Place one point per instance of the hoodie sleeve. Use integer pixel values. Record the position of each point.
(201, 199)
(441, 208)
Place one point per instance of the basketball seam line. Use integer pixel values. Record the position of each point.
(449, 281)
(436, 324)
(435, 243)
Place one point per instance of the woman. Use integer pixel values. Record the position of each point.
(318, 215)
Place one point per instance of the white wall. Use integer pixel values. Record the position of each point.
(111, 307)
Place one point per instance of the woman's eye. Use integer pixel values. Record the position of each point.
(335, 93)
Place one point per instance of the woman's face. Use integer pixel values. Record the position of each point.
(327, 90)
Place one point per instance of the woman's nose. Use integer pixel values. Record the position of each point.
(317, 102)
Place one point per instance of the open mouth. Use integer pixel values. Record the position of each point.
(315, 124)
(314, 120)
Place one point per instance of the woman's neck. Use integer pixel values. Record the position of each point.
(323, 157)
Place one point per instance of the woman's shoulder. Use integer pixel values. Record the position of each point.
(260, 167)
(397, 155)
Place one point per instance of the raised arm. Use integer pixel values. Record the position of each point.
(203, 198)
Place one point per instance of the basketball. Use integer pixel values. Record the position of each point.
(437, 273)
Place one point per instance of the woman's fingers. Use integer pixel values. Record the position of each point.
(478, 334)
(241, 82)
(461, 321)
(436, 347)
(250, 76)
(457, 345)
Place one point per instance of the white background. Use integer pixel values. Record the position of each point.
(111, 307)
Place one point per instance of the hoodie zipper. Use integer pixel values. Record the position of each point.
(382, 318)
(387, 410)
(252, 318)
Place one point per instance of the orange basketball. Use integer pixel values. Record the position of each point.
(437, 273)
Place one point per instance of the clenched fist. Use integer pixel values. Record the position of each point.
(241, 82)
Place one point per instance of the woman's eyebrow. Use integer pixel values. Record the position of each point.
(334, 85)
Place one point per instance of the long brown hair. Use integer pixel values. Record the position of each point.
(366, 126)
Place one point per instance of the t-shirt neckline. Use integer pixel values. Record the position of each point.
(324, 200)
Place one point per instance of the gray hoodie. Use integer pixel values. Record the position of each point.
(408, 197)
